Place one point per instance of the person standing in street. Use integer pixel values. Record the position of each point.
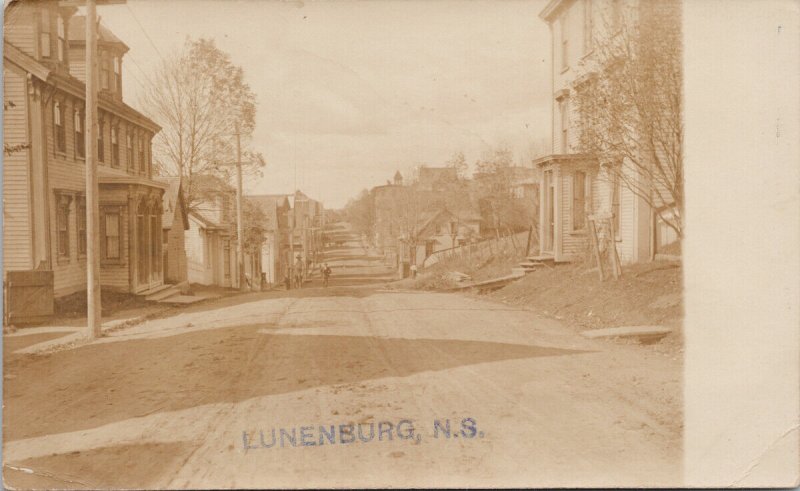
(298, 272)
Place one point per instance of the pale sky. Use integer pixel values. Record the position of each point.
(349, 92)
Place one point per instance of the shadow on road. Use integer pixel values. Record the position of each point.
(100, 384)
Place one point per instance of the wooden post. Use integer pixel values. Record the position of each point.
(596, 249)
(528, 242)
(239, 224)
(93, 294)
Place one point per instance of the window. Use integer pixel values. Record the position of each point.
(129, 147)
(579, 200)
(81, 219)
(588, 26)
(111, 242)
(58, 121)
(617, 184)
(564, 41)
(62, 42)
(63, 202)
(114, 147)
(563, 107)
(104, 71)
(117, 75)
(101, 141)
(141, 153)
(148, 148)
(44, 34)
(80, 142)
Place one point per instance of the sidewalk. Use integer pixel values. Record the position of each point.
(75, 330)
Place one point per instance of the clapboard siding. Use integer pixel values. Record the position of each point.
(627, 225)
(77, 63)
(573, 243)
(197, 249)
(17, 233)
(20, 26)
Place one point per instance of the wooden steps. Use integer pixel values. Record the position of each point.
(532, 263)
(163, 292)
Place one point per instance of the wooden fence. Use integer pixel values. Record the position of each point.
(508, 244)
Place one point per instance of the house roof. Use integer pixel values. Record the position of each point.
(172, 198)
(430, 217)
(75, 87)
(270, 204)
(77, 33)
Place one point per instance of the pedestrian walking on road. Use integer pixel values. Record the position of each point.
(326, 274)
(413, 271)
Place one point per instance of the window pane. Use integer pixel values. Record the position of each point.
(112, 247)
(112, 225)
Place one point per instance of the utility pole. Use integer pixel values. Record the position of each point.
(239, 224)
(93, 294)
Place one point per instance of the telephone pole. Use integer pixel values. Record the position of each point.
(93, 294)
(239, 225)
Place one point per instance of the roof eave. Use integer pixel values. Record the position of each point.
(551, 9)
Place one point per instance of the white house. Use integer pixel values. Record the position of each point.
(573, 185)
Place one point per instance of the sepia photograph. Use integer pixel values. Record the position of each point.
(370, 244)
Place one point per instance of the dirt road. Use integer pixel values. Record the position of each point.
(359, 387)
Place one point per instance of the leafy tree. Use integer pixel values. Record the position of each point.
(200, 98)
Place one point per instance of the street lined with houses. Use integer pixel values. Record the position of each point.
(233, 260)
(183, 398)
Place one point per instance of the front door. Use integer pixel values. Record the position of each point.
(148, 248)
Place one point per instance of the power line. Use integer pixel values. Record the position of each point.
(144, 32)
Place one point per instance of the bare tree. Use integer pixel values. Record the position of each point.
(459, 163)
(200, 98)
(630, 105)
(493, 183)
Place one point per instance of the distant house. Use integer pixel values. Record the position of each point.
(275, 251)
(441, 229)
(44, 186)
(175, 223)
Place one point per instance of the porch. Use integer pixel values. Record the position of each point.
(131, 237)
(568, 194)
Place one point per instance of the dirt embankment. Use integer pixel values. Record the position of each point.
(646, 294)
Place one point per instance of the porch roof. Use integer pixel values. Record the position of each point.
(107, 176)
(565, 158)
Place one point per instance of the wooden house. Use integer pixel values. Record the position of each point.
(573, 186)
(44, 168)
(275, 253)
(210, 239)
(174, 224)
